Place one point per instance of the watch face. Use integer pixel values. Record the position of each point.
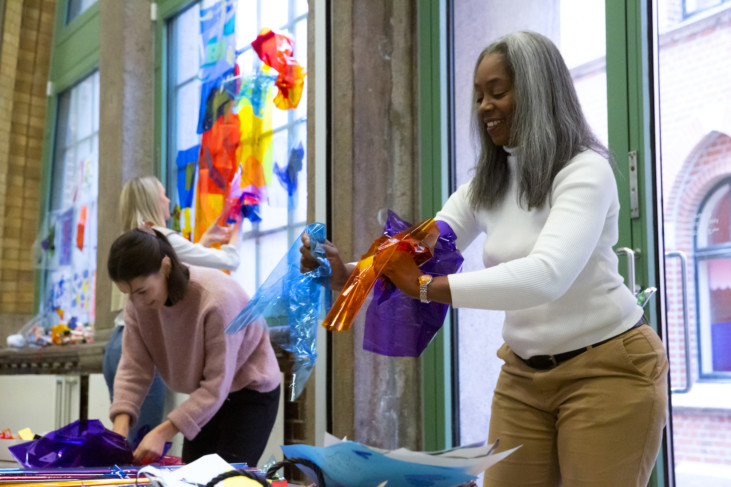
(424, 279)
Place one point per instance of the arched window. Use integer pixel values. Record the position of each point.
(713, 277)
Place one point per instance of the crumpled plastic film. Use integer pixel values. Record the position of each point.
(293, 303)
(276, 49)
(83, 443)
(397, 325)
(419, 240)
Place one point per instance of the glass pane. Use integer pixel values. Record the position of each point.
(695, 6)
(70, 266)
(714, 282)
(301, 8)
(187, 102)
(189, 46)
(280, 118)
(76, 8)
(273, 15)
(247, 27)
(280, 214)
(718, 226)
(695, 172)
(85, 109)
(477, 24)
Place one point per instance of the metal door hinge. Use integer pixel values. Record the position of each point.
(634, 197)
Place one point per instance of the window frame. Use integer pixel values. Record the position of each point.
(74, 56)
(167, 11)
(701, 254)
(699, 10)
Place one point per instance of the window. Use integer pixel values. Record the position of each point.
(693, 7)
(68, 242)
(713, 268)
(283, 216)
(76, 8)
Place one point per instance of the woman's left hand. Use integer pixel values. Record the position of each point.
(152, 445)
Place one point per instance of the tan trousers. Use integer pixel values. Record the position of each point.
(594, 420)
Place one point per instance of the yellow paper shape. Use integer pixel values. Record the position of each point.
(26, 434)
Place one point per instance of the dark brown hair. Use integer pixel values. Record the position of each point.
(137, 253)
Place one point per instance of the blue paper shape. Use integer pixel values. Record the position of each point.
(350, 464)
(287, 175)
(186, 175)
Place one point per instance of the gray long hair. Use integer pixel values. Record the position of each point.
(548, 127)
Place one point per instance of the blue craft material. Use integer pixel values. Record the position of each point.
(293, 305)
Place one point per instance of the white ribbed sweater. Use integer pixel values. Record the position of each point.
(552, 269)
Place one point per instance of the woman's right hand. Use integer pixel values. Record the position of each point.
(221, 234)
(308, 262)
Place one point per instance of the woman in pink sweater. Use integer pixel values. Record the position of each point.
(174, 321)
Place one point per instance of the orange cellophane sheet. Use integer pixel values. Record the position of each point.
(418, 240)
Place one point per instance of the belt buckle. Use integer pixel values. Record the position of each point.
(543, 362)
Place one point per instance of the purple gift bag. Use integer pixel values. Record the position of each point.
(79, 444)
(397, 325)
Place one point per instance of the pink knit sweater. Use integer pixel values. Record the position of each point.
(188, 345)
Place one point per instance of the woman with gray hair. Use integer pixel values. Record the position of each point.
(583, 387)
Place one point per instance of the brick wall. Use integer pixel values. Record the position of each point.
(695, 94)
(24, 62)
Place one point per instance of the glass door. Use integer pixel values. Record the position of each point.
(475, 25)
(693, 48)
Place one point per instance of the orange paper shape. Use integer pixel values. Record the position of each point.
(276, 49)
(418, 240)
(80, 226)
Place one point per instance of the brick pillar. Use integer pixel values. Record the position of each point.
(24, 63)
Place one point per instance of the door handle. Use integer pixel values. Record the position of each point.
(631, 281)
(686, 333)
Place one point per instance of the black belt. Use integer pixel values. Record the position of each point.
(545, 362)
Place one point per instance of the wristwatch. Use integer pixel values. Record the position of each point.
(424, 281)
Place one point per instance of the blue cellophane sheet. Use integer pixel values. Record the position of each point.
(397, 325)
(293, 304)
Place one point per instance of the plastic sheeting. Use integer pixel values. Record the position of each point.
(293, 303)
(397, 325)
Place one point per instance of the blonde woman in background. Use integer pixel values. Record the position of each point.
(143, 199)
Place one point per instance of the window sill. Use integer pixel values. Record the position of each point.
(704, 395)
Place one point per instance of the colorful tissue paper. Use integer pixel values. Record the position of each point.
(397, 325)
(293, 303)
(418, 240)
(220, 93)
(187, 163)
(287, 175)
(80, 226)
(218, 36)
(254, 109)
(276, 50)
(217, 167)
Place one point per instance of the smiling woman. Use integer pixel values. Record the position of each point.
(174, 323)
